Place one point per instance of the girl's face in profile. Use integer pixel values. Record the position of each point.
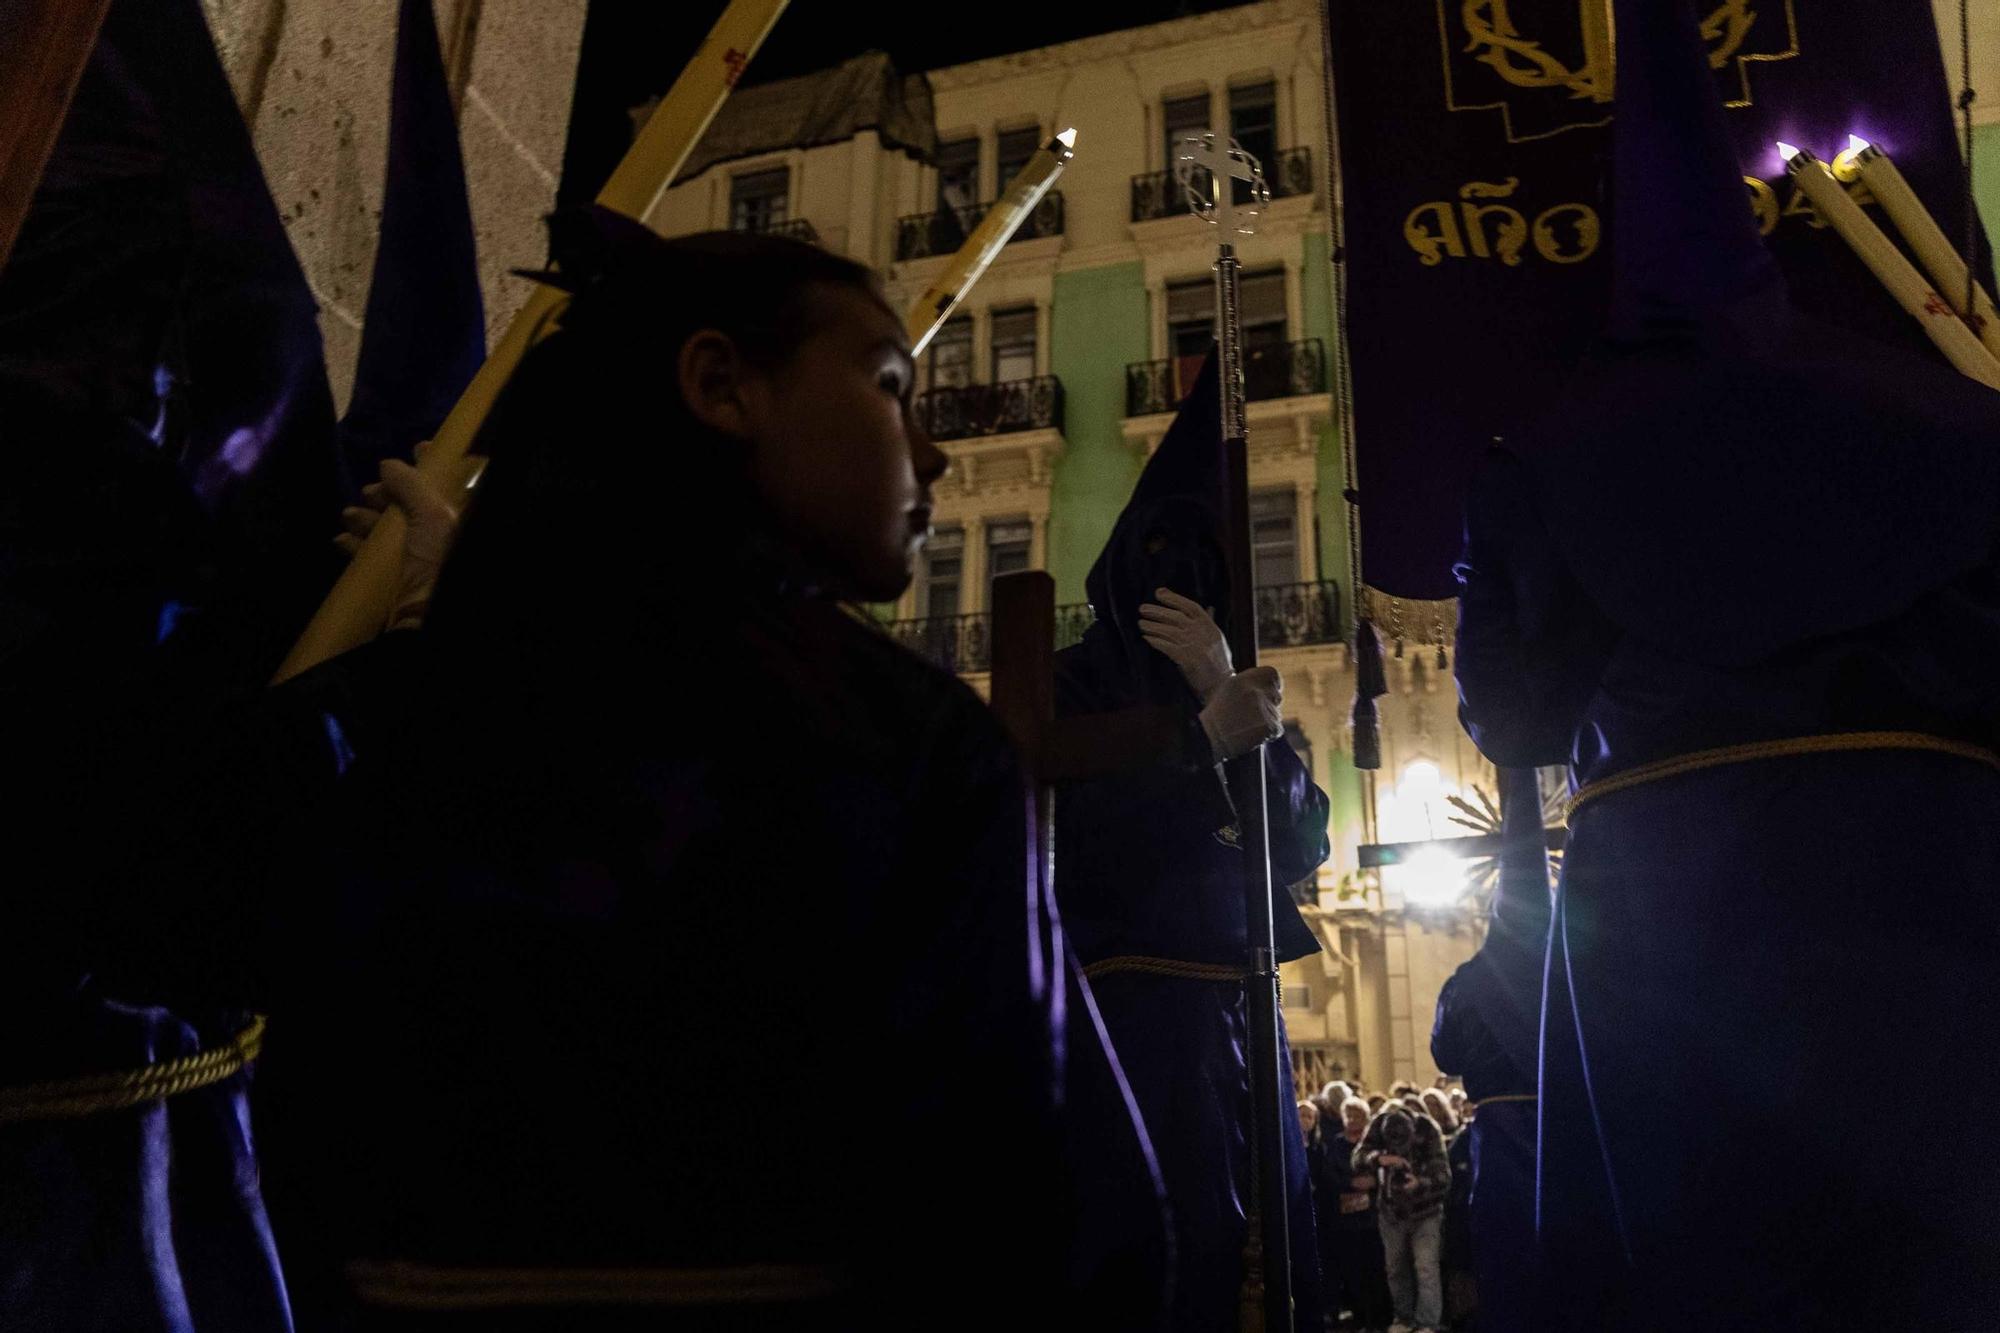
(837, 456)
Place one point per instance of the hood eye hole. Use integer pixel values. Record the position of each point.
(1155, 544)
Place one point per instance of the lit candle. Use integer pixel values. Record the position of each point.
(1890, 268)
(1002, 220)
(1874, 170)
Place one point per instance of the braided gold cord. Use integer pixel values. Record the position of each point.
(94, 1094)
(1743, 754)
(1506, 1097)
(1165, 967)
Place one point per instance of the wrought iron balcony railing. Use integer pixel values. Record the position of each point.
(1157, 194)
(1289, 615)
(1294, 615)
(797, 228)
(1279, 370)
(992, 409)
(921, 235)
(964, 644)
(959, 644)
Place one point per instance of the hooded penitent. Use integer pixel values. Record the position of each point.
(1167, 536)
(1150, 864)
(1740, 527)
(1727, 476)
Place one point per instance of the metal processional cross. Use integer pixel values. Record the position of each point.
(1208, 169)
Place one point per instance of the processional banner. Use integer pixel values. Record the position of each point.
(1474, 166)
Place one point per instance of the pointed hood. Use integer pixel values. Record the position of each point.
(1169, 535)
(424, 335)
(153, 280)
(1726, 476)
(1685, 249)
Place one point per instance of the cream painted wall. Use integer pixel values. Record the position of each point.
(312, 78)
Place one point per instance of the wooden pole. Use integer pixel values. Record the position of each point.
(44, 45)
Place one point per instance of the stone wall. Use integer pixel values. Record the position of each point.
(312, 77)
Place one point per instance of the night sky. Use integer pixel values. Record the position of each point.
(632, 49)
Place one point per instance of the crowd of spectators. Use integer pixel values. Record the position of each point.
(1391, 1179)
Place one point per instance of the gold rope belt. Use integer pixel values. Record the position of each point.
(92, 1094)
(1165, 967)
(1743, 754)
(1506, 1097)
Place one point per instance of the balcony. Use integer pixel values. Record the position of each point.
(1289, 615)
(992, 409)
(797, 229)
(1157, 194)
(1298, 615)
(922, 235)
(1279, 370)
(964, 644)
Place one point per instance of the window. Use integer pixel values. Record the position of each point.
(1298, 997)
(757, 199)
(1013, 344)
(1274, 538)
(1179, 118)
(1007, 547)
(951, 354)
(1190, 329)
(1260, 301)
(944, 561)
(1011, 151)
(1267, 362)
(1253, 123)
(958, 174)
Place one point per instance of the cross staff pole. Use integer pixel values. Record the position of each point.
(1267, 1275)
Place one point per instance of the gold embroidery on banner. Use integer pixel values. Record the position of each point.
(1735, 31)
(1513, 228)
(1763, 205)
(1436, 229)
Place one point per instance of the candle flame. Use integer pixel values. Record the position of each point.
(1067, 138)
(1787, 151)
(1856, 144)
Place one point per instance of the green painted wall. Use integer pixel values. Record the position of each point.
(1986, 177)
(1097, 326)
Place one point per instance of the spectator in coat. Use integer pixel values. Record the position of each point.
(1351, 1241)
(1407, 1154)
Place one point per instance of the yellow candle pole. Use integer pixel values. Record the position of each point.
(1890, 268)
(361, 601)
(1599, 48)
(1002, 220)
(1876, 172)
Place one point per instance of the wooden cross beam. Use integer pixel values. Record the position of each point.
(42, 55)
(1374, 855)
(1023, 696)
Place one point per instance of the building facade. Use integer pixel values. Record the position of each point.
(1054, 384)
(1062, 371)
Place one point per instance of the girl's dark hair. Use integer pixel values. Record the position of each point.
(600, 482)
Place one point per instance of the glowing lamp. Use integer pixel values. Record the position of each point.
(1432, 878)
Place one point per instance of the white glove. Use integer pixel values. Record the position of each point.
(1243, 713)
(1188, 635)
(432, 523)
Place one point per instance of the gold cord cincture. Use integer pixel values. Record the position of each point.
(1839, 742)
(93, 1094)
